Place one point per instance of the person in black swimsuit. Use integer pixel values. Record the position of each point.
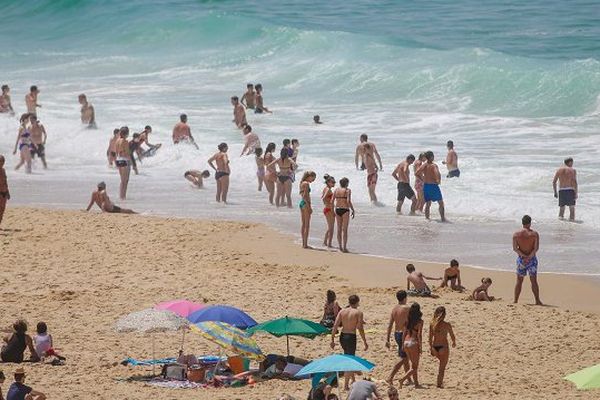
(452, 275)
(284, 185)
(16, 343)
(344, 209)
(4, 193)
(438, 341)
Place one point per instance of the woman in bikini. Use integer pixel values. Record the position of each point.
(413, 342)
(327, 197)
(481, 293)
(222, 171)
(419, 182)
(344, 209)
(284, 180)
(24, 144)
(438, 341)
(306, 205)
(270, 172)
(452, 275)
(331, 310)
(260, 167)
(123, 161)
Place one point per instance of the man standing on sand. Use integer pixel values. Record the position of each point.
(350, 320)
(182, 132)
(451, 161)
(4, 193)
(239, 113)
(402, 175)
(88, 116)
(398, 320)
(31, 100)
(566, 177)
(526, 244)
(38, 137)
(251, 141)
(431, 177)
(248, 98)
(101, 199)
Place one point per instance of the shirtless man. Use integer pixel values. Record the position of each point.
(451, 161)
(526, 244)
(111, 152)
(398, 319)
(222, 172)
(123, 160)
(251, 141)
(361, 152)
(295, 150)
(418, 281)
(260, 108)
(248, 98)
(5, 103)
(151, 150)
(182, 132)
(38, 137)
(350, 320)
(31, 100)
(372, 175)
(101, 199)
(430, 174)
(239, 113)
(88, 116)
(4, 193)
(566, 177)
(402, 175)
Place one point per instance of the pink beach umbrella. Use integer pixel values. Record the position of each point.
(183, 308)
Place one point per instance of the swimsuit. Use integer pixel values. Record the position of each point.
(340, 211)
(419, 184)
(530, 267)
(348, 343)
(115, 209)
(260, 172)
(438, 347)
(283, 178)
(405, 191)
(398, 337)
(220, 174)
(302, 204)
(372, 179)
(38, 150)
(425, 292)
(455, 173)
(566, 197)
(121, 162)
(25, 140)
(432, 192)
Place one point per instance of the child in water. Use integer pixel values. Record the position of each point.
(260, 167)
(438, 341)
(481, 293)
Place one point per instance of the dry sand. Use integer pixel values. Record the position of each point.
(80, 272)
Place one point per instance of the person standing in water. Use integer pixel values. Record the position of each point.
(284, 184)
(419, 182)
(526, 243)
(305, 206)
(439, 330)
(398, 319)
(24, 144)
(111, 152)
(327, 197)
(123, 161)
(566, 177)
(222, 172)
(5, 102)
(344, 209)
(248, 98)
(361, 152)
(260, 167)
(88, 116)
(4, 192)
(38, 137)
(182, 132)
(196, 177)
(101, 199)
(239, 113)
(270, 171)
(31, 100)
(402, 175)
(260, 108)
(430, 173)
(451, 161)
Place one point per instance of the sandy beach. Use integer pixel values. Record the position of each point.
(80, 272)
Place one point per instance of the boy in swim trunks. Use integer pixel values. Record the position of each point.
(418, 281)
(101, 199)
(566, 177)
(526, 243)
(451, 161)
(430, 174)
(398, 319)
(402, 175)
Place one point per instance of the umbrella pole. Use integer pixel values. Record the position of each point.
(288, 344)
(337, 375)
(153, 357)
(183, 340)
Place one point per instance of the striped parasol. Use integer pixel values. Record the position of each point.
(230, 338)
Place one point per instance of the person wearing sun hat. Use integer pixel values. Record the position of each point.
(19, 391)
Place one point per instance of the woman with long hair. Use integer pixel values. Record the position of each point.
(327, 197)
(25, 144)
(344, 209)
(413, 342)
(284, 178)
(305, 205)
(222, 171)
(438, 341)
(331, 310)
(271, 172)
(123, 161)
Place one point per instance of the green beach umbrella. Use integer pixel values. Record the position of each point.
(290, 327)
(588, 378)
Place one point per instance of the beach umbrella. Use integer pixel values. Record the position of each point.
(227, 314)
(290, 327)
(229, 338)
(150, 321)
(588, 378)
(183, 308)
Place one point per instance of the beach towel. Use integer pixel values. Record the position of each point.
(135, 363)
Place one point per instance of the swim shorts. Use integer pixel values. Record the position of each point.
(398, 337)
(527, 268)
(432, 192)
(566, 197)
(348, 343)
(455, 173)
(405, 191)
(38, 150)
(121, 163)
(372, 179)
(115, 210)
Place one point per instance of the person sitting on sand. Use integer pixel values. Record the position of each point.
(438, 341)
(324, 388)
(364, 390)
(16, 343)
(418, 281)
(452, 275)
(275, 370)
(44, 345)
(481, 292)
(19, 391)
(101, 199)
(317, 120)
(413, 343)
(331, 310)
(196, 177)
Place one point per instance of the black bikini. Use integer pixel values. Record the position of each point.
(340, 211)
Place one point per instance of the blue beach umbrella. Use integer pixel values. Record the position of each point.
(227, 314)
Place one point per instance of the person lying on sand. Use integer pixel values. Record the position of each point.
(196, 177)
(481, 293)
(418, 281)
(101, 199)
(452, 275)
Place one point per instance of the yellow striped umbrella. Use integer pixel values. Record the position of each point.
(230, 338)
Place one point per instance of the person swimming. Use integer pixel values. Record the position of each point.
(196, 177)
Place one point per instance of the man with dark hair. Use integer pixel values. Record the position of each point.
(566, 177)
(430, 174)
(19, 391)
(402, 175)
(31, 100)
(88, 115)
(182, 132)
(526, 243)
(317, 119)
(451, 161)
(101, 199)
(248, 97)
(251, 141)
(239, 112)
(417, 279)
(398, 319)
(350, 320)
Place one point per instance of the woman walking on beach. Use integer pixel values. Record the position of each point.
(344, 209)
(271, 172)
(413, 342)
(438, 341)
(327, 197)
(284, 179)
(419, 183)
(306, 205)
(123, 161)
(222, 172)
(25, 145)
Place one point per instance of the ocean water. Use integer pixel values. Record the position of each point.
(515, 84)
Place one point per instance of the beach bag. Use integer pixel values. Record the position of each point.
(174, 371)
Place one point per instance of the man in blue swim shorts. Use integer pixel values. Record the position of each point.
(430, 174)
(526, 243)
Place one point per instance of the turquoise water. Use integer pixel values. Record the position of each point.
(516, 85)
